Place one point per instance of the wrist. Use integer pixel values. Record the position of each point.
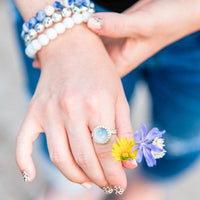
(69, 43)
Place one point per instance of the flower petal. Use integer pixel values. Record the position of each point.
(143, 130)
(137, 137)
(137, 146)
(154, 148)
(139, 155)
(153, 133)
(149, 157)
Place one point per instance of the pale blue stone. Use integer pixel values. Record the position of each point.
(100, 135)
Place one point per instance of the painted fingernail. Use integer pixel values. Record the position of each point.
(25, 176)
(118, 190)
(133, 161)
(87, 185)
(107, 190)
(95, 22)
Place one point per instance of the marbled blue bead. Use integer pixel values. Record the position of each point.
(84, 3)
(58, 5)
(40, 16)
(32, 22)
(70, 2)
(78, 3)
(26, 27)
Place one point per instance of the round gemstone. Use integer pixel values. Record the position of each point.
(47, 22)
(58, 5)
(66, 12)
(57, 17)
(32, 33)
(49, 10)
(32, 22)
(100, 135)
(39, 28)
(40, 16)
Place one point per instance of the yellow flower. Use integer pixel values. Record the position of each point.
(123, 150)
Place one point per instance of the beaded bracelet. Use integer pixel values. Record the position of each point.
(54, 20)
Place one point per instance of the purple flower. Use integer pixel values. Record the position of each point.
(144, 144)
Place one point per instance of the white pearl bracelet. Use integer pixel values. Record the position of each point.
(59, 27)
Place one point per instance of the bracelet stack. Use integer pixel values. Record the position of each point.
(54, 20)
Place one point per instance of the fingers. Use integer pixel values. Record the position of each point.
(28, 133)
(113, 170)
(60, 154)
(80, 140)
(110, 24)
(124, 127)
(36, 64)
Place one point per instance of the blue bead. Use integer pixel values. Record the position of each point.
(70, 2)
(26, 27)
(84, 3)
(58, 5)
(40, 16)
(32, 22)
(78, 3)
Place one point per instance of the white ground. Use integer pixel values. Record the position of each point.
(12, 110)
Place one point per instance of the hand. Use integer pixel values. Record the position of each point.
(144, 29)
(78, 90)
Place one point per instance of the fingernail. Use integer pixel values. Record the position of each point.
(95, 22)
(118, 190)
(107, 190)
(133, 161)
(25, 176)
(87, 185)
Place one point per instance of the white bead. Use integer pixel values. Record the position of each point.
(39, 28)
(51, 33)
(77, 17)
(91, 10)
(57, 17)
(36, 45)
(86, 16)
(60, 28)
(32, 33)
(47, 22)
(43, 39)
(30, 52)
(68, 22)
(49, 10)
(66, 12)
(65, 3)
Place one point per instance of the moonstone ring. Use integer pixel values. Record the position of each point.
(102, 134)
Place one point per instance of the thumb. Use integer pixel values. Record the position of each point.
(111, 24)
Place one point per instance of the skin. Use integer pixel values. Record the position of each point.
(77, 91)
(145, 28)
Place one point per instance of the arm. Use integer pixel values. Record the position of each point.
(78, 90)
(145, 28)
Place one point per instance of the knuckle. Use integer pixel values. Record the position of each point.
(93, 102)
(68, 102)
(83, 159)
(57, 158)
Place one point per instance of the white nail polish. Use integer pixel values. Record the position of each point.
(87, 185)
(95, 22)
(133, 161)
(25, 176)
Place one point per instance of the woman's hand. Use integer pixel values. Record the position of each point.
(144, 29)
(79, 89)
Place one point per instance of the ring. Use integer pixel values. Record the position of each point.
(102, 134)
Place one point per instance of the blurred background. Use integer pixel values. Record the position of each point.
(13, 105)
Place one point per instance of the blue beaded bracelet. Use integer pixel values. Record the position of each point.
(55, 20)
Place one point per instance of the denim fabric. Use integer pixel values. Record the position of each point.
(173, 77)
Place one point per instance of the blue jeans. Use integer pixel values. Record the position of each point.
(173, 78)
